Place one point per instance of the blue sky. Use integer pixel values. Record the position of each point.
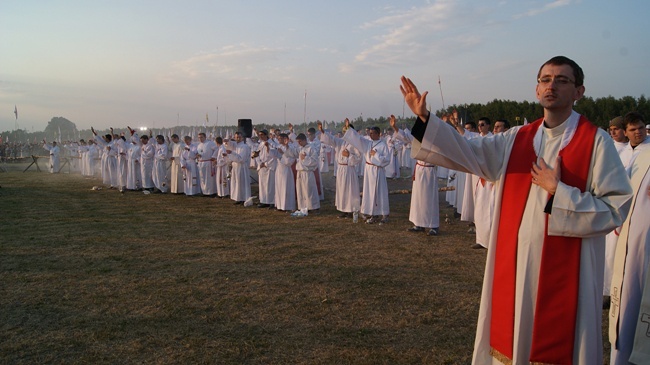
(158, 63)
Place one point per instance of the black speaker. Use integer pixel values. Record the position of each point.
(245, 127)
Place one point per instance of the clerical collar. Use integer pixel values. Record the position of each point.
(566, 128)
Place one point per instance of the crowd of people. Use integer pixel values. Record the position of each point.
(558, 203)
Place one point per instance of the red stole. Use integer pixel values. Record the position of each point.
(557, 292)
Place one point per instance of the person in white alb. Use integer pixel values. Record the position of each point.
(55, 156)
(374, 204)
(347, 158)
(176, 174)
(542, 290)
(424, 211)
(239, 155)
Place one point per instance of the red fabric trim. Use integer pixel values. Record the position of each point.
(559, 278)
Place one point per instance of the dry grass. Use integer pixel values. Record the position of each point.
(103, 277)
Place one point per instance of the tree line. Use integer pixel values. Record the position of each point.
(599, 111)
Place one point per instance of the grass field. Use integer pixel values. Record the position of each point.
(102, 277)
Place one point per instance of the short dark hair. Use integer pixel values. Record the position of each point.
(505, 122)
(633, 118)
(376, 129)
(219, 140)
(486, 120)
(471, 124)
(311, 131)
(174, 135)
(301, 137)
(578, 75)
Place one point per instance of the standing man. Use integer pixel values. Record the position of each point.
(374, 204)
(223, 183)
(239, 156)
(285, 184)
(424, 211)
(347, 182)
(306, 164)
(160, 165)
(566, 188)
(176, 177)
(191, 178)
(55, 153)
(206, 155)
(266, 170)
(636, 133)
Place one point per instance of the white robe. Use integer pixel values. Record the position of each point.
(347, 198)
(266, 172)
(134, 171)
(285, 185)
(306, 190)
(109, 167)
(240, 178)
(190, 170)
(55, 158)
(147, 153)
(588, 215)
(637, 261)
(425, 209)
(207, 155)
(159, 173)
(176, 175)
(375, 188)
(222, 178)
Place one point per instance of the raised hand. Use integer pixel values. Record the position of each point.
(393, 123)
(417, 102)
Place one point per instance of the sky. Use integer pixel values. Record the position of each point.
(164, 63)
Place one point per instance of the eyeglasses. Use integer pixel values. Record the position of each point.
(482, 124)
(560, 80)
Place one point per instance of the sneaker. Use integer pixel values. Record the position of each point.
(415, 229)
(371, 220)
(433, 232)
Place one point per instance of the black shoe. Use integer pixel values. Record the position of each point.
(261, 205)
(238, 203)
(477, 246)
(344, 215)
(416, 229)
(433, 232)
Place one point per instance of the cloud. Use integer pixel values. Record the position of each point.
(412, 33)
(232, 59)
(543, 9)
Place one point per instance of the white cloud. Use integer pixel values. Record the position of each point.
(412, 33)
(543, 9)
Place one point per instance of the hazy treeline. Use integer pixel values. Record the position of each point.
(599, 111)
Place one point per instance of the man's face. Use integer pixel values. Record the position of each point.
(262, 136)
(373, 135)
(201, 138)
(499, 127)
(617, 133)
(160, 140)
(636, 133)
(175, 139)
(310, 136)
(556, 89)
(188, 141)
(483, 127)
(144, 141)
(302, 142)
(238, 138)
